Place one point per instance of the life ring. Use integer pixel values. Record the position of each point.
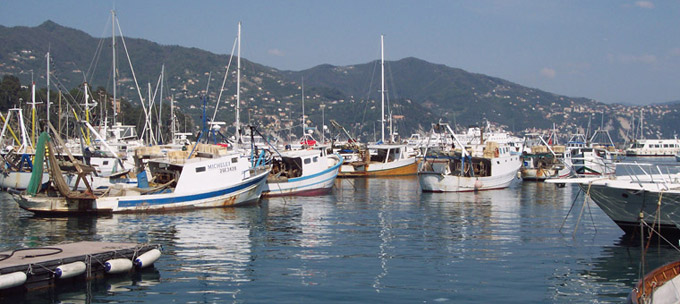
(496, 153)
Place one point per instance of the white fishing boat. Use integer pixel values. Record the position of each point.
(302, 172)
(589, 160)
(543, 160)
(484, 167)
(212, 177)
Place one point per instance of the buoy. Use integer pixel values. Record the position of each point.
(13, 279)
(70, 270)
(117, 266)
(147, 259)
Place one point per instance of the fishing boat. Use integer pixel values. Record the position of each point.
(302, 172)
(209, 176)
(539, 166)
(543, 161)
(483, 167)
(381, 160)
(589, 160)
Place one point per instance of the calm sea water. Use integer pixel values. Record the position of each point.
(372, 240)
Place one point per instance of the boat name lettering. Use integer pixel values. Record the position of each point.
(224, 167)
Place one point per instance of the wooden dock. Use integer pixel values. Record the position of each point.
(40, 264)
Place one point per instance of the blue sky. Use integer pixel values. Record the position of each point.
(611, 51)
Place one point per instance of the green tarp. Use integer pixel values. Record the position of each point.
(38, 161)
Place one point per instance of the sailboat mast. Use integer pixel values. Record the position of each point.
(303, 108)
(33, 115)
(382, 88)
(48, 89)
(172, 117)
(238, 87)
(87, 112)
(113, 47)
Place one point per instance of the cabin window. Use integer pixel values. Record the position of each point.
(106, 162)
(316, 159)
(234, 160)
(200, 169)
(308, 161)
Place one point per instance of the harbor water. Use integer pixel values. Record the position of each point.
(377, 240)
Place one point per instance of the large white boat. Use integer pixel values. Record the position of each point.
(302, 172)
(653, 194)
(210, 177)
(654, 147)
(484, 167)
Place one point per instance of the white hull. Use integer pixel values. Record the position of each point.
(439, 179)
(19, 180)
(248, 190)
(315, 184)
(536, 174)
(623, 200)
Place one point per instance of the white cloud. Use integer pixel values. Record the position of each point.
(644, 4)
(624, 58)
(548, 72)
(275, 52)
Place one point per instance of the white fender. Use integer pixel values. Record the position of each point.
(13, 279)
(70, 270)
(148, 258)
(117, 265)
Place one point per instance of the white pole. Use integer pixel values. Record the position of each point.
(238, 87)
(303, 108)
(160, 105)
(48, 88)
(113, 46)
(382, 89)
(172, 117)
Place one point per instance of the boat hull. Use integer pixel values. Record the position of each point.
(623, 206)
(316, 184)
(397, 168)
(19, 180)
(242, 193)
(436, 182)
(539, 175)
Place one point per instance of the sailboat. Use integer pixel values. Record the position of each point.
(381, 159)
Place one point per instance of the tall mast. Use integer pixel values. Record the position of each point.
(160, 106)
(382, 89)
(33, 115)
(172, 117)
(48, 89)
(238, 87)
(87, 112)
(113, 47)
(303, 107)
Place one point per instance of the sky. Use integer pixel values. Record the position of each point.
(611, 51)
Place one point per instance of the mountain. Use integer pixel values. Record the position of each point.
(418, 92)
